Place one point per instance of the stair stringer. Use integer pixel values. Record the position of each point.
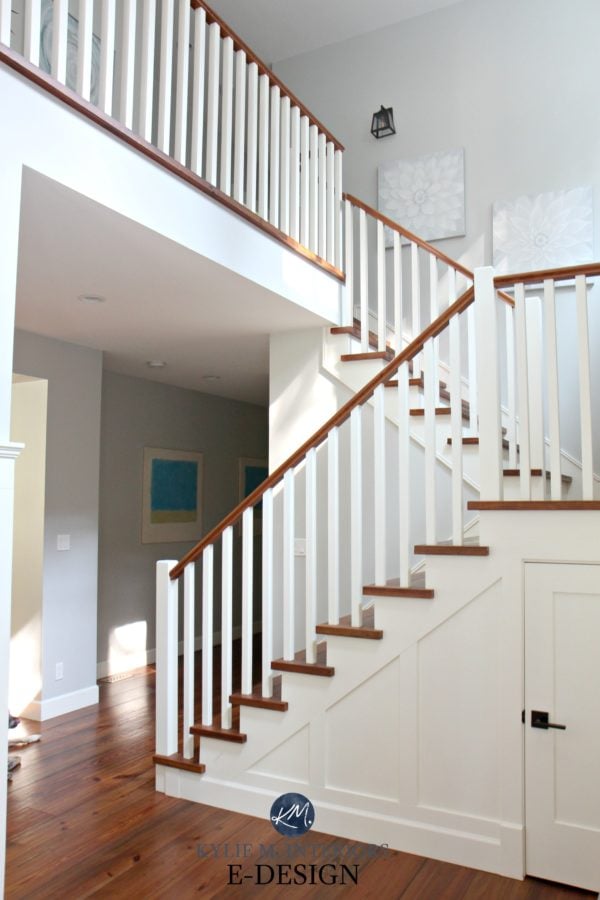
(364, 670)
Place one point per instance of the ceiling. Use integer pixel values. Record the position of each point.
(162, 301)
(279, 29)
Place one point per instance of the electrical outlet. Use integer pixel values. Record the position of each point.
(300, 547)
(63, 542)
(59, 671)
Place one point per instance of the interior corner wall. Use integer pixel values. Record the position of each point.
(512, 83)
(74, 376)
(138, 413)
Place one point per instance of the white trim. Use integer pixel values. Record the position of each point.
(11, 450)
(42, 710)
(148, 657)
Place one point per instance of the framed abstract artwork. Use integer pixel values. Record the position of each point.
(425, 195)
(544, 231)
(172, 496)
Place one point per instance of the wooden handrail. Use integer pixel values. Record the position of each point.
(263, 68)
(564, 274)
(319, 436)
(415, 239)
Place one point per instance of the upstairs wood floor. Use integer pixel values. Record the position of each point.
(84, 821)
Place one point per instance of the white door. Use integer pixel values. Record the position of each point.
(562, 764)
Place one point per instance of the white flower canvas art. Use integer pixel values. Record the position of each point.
(544, 231)
(425, 195)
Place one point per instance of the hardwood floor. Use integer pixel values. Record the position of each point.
(84, 821)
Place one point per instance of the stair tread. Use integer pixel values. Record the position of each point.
(371, 354)
(392, 588)
(354, 331)
(471, 547)
(536, 473)
(440, 411)
(177, 761)
(223, 734)
(257, 700)
(345, 628)
(299, 664)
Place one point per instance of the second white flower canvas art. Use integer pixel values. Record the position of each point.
(425, 195)
(544, 231)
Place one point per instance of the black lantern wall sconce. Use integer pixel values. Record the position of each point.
(383, 123)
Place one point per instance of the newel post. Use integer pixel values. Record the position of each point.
(167, 646)
(488, 385)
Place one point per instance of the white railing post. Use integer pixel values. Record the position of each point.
(552, 381)
(533, 312)
(284, 167)
(381, 289)
(128, 63)
(295, 173)
(313, 189)
(31, 47)
(585, 398)
(488, 382)
(212, 102)
(304, 181)
(348, 313)
(397, 293)
(356, 517)
(189, 596)
(310, 475)
(379, 481)
(404, 479)
(289, 606)
(275, 142)
(59, 40)
(339, 225)
(241, 69)
(183, 69)
(167, 640)
(207, 634)
(267, 593)
(523, 392)
(456, 425)
(247, 598)
(429, 435)
(333, 526)
(331, 210)
(226, 626)
(263, 146)
(511, 386)
(322, 201)
(165, 91)
(415, 302)
(364, 281)
(252, 142)
(472, 367)
(147, 70)
(226, 123)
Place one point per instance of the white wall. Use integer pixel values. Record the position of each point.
(28, 426)
(74, 376)
(137, 413)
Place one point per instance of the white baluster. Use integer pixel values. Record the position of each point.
(147, 70)
(295, 174)
(304, 182)
(226, 115)
(207, 634)
(381, 285)
(31, 47)
(165, 90)
(247, 598)
(397, 292)
(433, 314)
(188, 658)
(364, 281)
(5, 21)
(404, 472)
(356, 517)
(349, 252)
(313, 168)
(472, 364)
(84, 38)
(267, 593)
(274, 160)
(523, 391)
(488, 385)
(585, 399)
(252, 143)
(166, 659)
(415, 302)
(60, 24)
(284, 167)
(339, 230)
(456, 426)
(183, 72)
(310, 473)
(322, 202)
(533, 312)
(226, 627)
(199, 79)
(212, 108)
(333, 526)
(331, 210)
(128, 62)
(553, 396)
(511, 386)
(379, 476)
(241, 69)
(289, 605)
(263, 147)
(430, 448)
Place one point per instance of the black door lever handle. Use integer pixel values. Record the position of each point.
(542, 720)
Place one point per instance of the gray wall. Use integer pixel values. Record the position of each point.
(74, 377)
(137, 414)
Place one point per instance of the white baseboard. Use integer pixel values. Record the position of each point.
(148, 657)
(42, 710)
